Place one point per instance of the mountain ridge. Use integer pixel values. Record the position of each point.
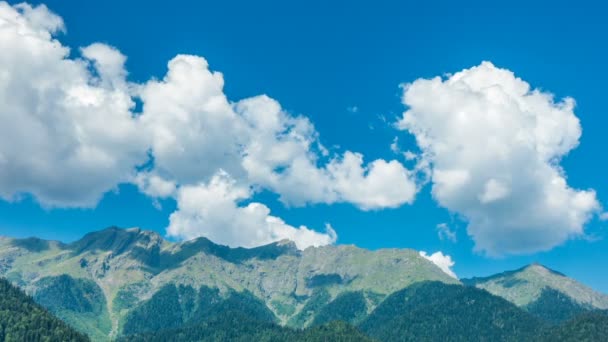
(108, 280)
(544, 292)
(125, 267)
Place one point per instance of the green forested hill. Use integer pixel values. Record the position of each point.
(426, 311)
(545, 293)
(587, 327)
(21, 319)
(236, 327)
(432, 311)
(176, 306)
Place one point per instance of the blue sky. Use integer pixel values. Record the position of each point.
(324, 60)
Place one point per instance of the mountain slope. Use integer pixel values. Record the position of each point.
(124, 268)
(235, 328)
(21, 319)
(546, 293)
(433, 311)
(590, 326)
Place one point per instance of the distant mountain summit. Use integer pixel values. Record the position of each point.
(114, 278)
(544, 292)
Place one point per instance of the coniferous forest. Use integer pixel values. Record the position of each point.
(21, 319)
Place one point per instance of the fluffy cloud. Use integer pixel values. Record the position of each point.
(69, 133)
(281, 156)
(194, 131)
(381, 184)
(493, 146)
(444, 262)
(66, 130)
(211, 210)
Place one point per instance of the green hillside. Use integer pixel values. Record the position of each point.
(547, 294)
(21, 319)
(239, 327)
(588, 327)
(433, 311)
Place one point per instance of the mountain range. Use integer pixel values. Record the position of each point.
(132, 284)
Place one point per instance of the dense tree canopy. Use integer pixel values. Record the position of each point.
(21, 319)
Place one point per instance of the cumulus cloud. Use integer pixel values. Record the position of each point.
(66, 131)
(381, 184)
(212, 210)
(282, 157)
(78, 136)
(194, 131)
(444, 262)
(493, 146)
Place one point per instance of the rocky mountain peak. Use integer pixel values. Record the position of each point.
(117, 240)
(526, 285)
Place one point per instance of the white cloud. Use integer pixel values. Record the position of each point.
(193, 128)
(353, 109)
(66, 135)
(155, 186)
(395, 145)
(281, 157)
(212, 210)
(444, 262)
(78, 136)
(493, 145)
(409, 155)
(196, 132)
(604, 216)
(445, 232)
(493, 191)
(381, 184)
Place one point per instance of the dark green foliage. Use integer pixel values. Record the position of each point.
(333, 331)
(587, 327)
(162, 311)
(239, 327)
(324, 280)
(182, 314)
(172, 307)
(555, 307)
(66, 293)
(349, 307)
(125, 297)
(79, 302)
(319, 299)
(21, 319)
(283, 308)
(240, 302)
(433, 311)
